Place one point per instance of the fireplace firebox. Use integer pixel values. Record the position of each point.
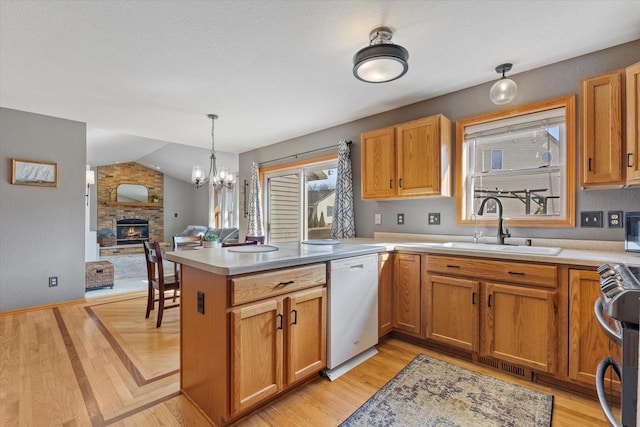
(130, 231)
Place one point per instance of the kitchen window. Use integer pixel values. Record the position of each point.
(299, 199)
(523, 156)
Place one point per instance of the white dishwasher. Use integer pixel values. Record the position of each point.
(352, 329)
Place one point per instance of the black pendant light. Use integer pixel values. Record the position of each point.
(381, 61)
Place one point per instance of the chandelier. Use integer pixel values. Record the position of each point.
(218, 178)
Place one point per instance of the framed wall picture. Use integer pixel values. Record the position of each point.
(31, 172)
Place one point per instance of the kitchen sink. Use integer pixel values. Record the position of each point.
(532, 250)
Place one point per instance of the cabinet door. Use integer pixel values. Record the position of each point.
(306, 335)
(601, 131)
(520, 326)
(256, 353)
(385, 292)
(406, 293)
(588, 344)
(452, 311)
(418, 155)
(378, 163)
(633, 123)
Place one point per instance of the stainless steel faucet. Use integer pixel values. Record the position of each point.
(501, 233)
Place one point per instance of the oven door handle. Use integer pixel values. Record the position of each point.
(602, 397)
(614, 334)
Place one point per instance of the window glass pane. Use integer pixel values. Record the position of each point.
(519, 160)
(284, 208)
(320, 187)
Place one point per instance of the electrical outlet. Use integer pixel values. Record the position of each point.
(434, 218)
(614, 219)
(591, 219)
(377, 219)
(53, 281)
(401, 219)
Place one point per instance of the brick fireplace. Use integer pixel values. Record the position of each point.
(110, 212)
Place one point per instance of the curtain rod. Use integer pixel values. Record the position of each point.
(300, 154)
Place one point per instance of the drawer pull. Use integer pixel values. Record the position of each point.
(280, 319)
(290, 282)
(295, 317)
(516, 273)
(452, 266)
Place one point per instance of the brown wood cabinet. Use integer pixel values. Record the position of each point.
(588, 344)
(385, 293)
(601, 141)
(609, 136)
(632, 96)
(517, 321)
(407, 299)
(520, 326)
(260, 366)
(452, 311)
(249, 337)
(412, 159)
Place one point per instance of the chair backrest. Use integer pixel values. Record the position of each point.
(227, 244)
(186, 242)
(153, 256)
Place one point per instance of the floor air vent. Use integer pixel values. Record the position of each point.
(505, 367)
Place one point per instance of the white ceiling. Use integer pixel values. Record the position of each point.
(142, 74)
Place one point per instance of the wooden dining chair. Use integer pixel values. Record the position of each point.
(157, 281)
(250, 242)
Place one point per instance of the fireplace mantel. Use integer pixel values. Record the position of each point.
(145, 204)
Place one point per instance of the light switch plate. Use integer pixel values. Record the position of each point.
(434, 218)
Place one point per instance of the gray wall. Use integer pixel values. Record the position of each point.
(179, 199)
(543, 83)
(41, 228)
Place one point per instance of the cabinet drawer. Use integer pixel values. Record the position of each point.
(504, 271)
(255, 287)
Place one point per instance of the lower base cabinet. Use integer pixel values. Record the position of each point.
(274, 344)
(407, 295)
(385, 293)
(500, 309)
(588, 344)
(520, 326)
(452, 311)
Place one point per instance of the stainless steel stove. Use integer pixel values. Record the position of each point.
(620, 300)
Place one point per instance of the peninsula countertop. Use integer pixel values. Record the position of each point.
(225, 261)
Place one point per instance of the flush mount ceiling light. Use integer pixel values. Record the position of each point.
(218, 178)
(381, 61)
(504, 90)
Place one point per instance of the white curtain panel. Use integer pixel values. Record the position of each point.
(344, 225)
(254, 222)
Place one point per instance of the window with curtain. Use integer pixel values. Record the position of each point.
(299, 200)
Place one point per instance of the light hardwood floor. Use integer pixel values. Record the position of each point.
(102, 363)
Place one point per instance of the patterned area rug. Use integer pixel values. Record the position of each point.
(429, 392)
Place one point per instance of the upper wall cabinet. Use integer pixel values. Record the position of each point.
(522, 156)
(633, 124)
(412, 159)
(609, 151)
